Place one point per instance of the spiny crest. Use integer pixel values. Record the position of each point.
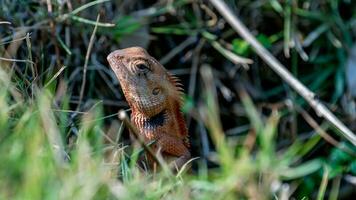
(179, 117)
(178, 87)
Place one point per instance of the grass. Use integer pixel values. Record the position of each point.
(36, 165)
(60, 137)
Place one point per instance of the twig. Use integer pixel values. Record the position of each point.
(15, 40)
(16, 60)
(302, 90)
(52, 26)
(322, 132)
(72, 14)
(193, 73)
(5, 22)
(178, 49)
(194, 69)
(29, 47)
(225, 52)
(90, 46)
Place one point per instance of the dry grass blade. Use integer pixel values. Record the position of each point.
(85, 6)
(16, 60)
(301, 89)
(51, 129)
(85, 69)
(15, 40)
(56, 75)
(212, 118)
(324, 183)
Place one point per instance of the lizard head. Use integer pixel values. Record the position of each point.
(146, 84)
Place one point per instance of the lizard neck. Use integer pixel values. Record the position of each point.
(169, 121)
(142, 121)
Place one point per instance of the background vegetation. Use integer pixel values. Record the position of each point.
(253, 137)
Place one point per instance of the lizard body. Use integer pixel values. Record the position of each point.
(155, 98)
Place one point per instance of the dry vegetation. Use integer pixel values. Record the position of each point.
(254, 137)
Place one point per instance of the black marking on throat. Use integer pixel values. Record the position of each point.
(157, 120)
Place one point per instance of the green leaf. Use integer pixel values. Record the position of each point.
(240, 47)
(340, 157)
(335, 170)
(125, 26)
(265, 41)
(176, 29)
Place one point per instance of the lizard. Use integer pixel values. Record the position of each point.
(155, 98)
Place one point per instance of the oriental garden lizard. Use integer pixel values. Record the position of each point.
(155, 98)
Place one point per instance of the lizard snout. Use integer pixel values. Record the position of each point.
(114, 55)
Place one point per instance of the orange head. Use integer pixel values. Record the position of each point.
(146, 84)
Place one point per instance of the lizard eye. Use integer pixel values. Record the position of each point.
(156, 91)
(142, 66)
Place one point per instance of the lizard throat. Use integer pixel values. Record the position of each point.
(156, 120)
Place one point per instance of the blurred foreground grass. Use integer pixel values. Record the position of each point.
(34, 163)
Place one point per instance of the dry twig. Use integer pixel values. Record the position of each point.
(90, 46)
